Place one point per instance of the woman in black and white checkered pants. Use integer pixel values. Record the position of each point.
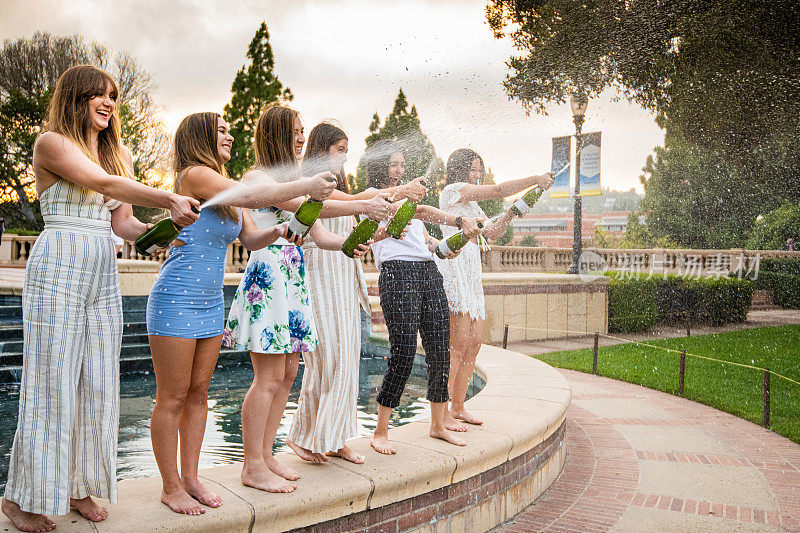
(413, 300)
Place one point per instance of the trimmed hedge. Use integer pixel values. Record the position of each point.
(780, 275)
(631, 304)
(782, 265)
(637, 303)
(785, 288)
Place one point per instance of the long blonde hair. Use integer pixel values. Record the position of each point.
(68, 115)
(274, 140)
(196, 145)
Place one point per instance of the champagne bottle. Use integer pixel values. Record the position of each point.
(402, 217)
(360, 234)
(453, 243)
(527, 200)
(159, 236)
(305, 216)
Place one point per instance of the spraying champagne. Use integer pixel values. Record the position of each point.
(406, 212)
(159, 236)
(305, 216)
(527, 200)
(401, 218)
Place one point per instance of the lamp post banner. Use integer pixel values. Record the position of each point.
(590, 164)
(561, 163)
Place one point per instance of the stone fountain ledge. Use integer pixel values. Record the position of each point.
(429, 485)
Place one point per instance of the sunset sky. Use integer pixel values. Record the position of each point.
(345, 60)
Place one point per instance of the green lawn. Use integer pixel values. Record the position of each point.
(726, 387)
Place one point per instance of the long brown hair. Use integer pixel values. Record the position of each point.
(459, 164)
(196, 145)
(322, 137)
(274, 140)
(377, 156)
(68, 115)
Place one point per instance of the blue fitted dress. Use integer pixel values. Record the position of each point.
(186, 300)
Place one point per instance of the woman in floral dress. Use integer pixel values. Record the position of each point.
(271, 315)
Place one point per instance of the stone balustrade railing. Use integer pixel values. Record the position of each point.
(14, 251)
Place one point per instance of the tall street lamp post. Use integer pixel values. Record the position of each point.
(578, 103)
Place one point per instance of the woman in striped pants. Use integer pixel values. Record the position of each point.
(65, 447)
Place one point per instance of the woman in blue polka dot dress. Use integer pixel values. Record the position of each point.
(186, 310)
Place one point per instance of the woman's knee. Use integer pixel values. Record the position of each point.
(171, 401)
(198, 394)
(269, 384)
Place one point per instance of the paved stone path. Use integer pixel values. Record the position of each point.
(643, 460)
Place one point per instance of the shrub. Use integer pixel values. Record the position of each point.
(631, 304)
(637, 303)
(785, 287)
(720, 301)
(783, 265)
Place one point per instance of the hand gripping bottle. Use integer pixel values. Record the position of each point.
(159, 236)
(453, 243)
(360, 234)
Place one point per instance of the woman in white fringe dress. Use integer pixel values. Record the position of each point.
(463, 275)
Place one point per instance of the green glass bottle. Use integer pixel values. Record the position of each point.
(401, 219)
(360, 234)
(305, 216)
(453, 243)
(522, 205)
(159, 236)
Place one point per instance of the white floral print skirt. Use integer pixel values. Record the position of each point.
(270, 312)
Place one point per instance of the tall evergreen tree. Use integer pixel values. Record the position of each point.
(255, 86)
(403, 125)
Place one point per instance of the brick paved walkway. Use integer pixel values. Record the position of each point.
(642, 460)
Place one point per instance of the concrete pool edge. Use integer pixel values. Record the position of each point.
(429, 485)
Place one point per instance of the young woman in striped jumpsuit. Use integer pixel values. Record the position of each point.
(65, 447)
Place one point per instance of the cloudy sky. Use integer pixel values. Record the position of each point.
(345, 60)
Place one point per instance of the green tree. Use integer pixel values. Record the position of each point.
(494, 206)
(529, 240)
(603, 239)
(506, 237)
(697, 199)
(403, 126)
(771, 231)
(30, 68)
(255, 86)
(723, 74)
(638, 236)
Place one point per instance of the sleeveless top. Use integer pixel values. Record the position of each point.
(271, 216)
(65, 205)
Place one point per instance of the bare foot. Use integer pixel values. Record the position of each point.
(446, 436)
(463, 415)
(199, 492)
(263, 478)
(306, 455)
(348, 455)
(181, 502)
(89, 509)
(25, 521)
(452, 424)
(380, 443)
(284, 471)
